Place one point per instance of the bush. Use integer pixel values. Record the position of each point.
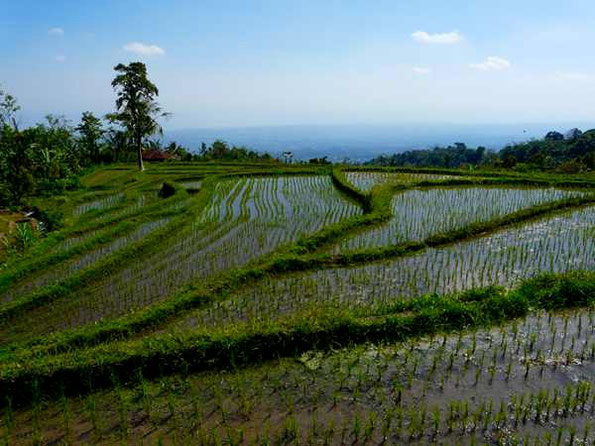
(572, 166)
(23, 236)
(167, 190)
(51, 219)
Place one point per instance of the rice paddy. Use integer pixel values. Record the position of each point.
(558, 244)
(244, 218)
(420, 213)
(303, 305)
(530, 380)
(367, 180)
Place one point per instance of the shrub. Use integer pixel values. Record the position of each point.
(51, 219)
(167, 190)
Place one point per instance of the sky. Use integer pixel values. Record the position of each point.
(273, 62)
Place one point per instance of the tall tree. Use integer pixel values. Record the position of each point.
(91, 131)
(8, 109)
(136, 108)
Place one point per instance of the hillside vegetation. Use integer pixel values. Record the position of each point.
(570, 153)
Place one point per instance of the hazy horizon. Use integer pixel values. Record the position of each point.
(360, 142)
(265, 63)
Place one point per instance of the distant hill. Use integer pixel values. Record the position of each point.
(361, 142)
(571, 152)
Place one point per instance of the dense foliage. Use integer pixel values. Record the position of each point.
(573, 152)
(451, 156)
(221, 151)
(39, 160)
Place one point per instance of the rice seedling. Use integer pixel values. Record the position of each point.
(101, 204)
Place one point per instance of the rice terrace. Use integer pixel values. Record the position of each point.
(231, 303)
(304, 222)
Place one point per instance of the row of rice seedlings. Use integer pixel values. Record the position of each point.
(63, 246)
(418, 214)
(88, 276)
(131, 206)
(276, 199)
(254, 216)
(71, 265)
(87, 231)
(138, 201)
(527, 380)
(557, 244)
(367, 180)
(116, 295)
(101, 204)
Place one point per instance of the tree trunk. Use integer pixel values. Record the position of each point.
(139, 148)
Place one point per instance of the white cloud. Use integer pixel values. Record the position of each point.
(144, 50)
(421, 70)
(56, 31)
(440, 38)
(60, 58)
(492, 63)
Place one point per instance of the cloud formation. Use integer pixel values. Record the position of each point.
(60, 58)
(144, 50)
(56, 31)
(421, 70)
(437, 38)
(492, 63)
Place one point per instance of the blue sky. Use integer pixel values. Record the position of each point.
(242, 63)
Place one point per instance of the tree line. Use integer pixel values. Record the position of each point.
(455, 155)
(572, 152)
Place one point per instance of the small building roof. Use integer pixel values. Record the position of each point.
(155, 155)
